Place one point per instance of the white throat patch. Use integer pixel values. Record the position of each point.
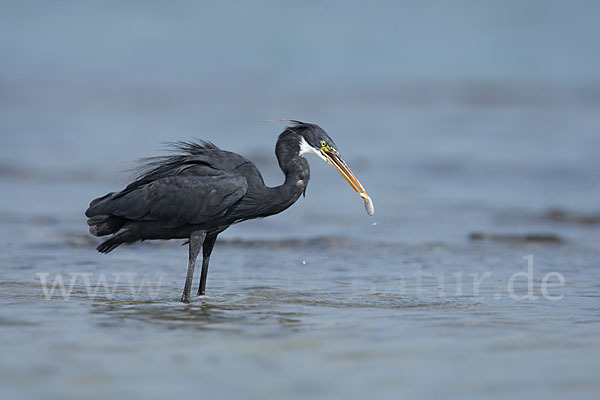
(306, 148)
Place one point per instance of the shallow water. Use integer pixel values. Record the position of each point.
(474, 158)
(299, 317)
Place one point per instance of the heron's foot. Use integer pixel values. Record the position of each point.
(185, 298)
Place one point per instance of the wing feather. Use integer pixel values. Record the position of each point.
(177, 200)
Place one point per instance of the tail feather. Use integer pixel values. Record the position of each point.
(129, 235)
(101, 225)
(95, 207)
(109, 245)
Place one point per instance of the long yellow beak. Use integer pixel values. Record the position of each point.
(336, 161)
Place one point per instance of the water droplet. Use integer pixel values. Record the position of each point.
(374, 223)
(303, 262)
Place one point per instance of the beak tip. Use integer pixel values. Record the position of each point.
(369, 206)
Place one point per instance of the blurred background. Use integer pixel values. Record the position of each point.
(451, 113)
(463, 119)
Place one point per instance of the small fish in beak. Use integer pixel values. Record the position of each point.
(335, 160)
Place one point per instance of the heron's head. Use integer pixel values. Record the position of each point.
(314, 140)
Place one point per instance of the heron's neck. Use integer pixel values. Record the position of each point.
(297, 174)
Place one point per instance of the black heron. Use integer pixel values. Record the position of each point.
(202, 190)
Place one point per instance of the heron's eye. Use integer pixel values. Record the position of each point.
(323, 144)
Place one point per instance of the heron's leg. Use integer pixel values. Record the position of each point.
(196, 239)
(207, 248)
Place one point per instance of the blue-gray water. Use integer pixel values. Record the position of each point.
(474, 126)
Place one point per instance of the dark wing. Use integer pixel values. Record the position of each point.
(195, 158)
(175, 200)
